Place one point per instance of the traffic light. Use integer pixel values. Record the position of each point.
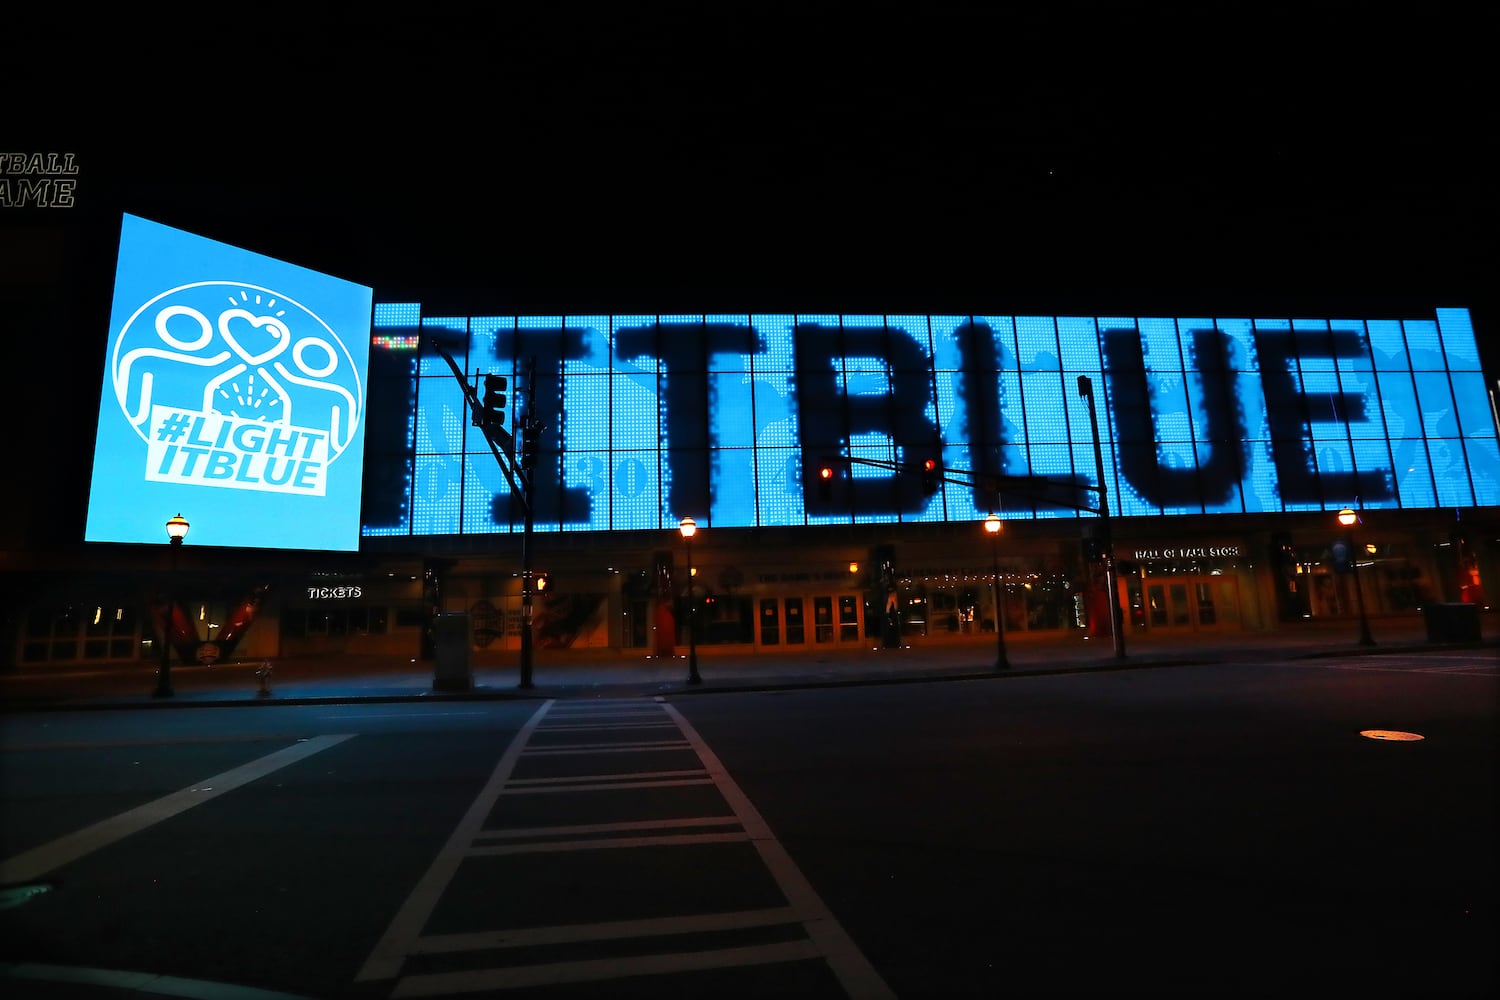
(543, 581)
(495, 403)
(929, 477)
(825, 482)
(530, 431)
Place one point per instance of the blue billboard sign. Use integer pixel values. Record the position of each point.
(235, 389)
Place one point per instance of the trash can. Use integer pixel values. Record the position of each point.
(1452, 622)
(450, 645)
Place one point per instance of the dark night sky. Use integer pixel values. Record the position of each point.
(795, 156)
(1094, 158)
(1101, 158)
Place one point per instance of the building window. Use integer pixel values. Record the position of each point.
(297, 623)
(93, 632)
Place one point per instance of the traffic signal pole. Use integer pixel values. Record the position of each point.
(1106, 539)
(527, 471)
(527, 653)
(489, 416)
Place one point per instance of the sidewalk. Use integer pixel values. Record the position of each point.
(602, 672)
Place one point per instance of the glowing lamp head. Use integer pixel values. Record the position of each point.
(177, 529)
(688, 527)
(992, 525)
(1348, 518)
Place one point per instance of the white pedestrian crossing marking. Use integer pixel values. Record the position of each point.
(813, 932)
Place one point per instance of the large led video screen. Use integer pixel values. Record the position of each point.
(648, 419)
(234, 394)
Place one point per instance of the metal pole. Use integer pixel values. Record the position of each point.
(164, 671)
(526, 581)
(693, 677)
(1002, 662)
(1116, 614)
(1365, 639)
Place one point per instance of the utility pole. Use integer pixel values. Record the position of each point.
(1106, 540)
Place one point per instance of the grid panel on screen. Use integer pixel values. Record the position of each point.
(1460, 348)
(1036, 343)
(453, 332)
(1079, 342)
(636, 499)
(1423, 345)
(1484, 469)
(733, 501)
(486, 495)
(592, 333)
(922, 332)
(437, 495)
(732, 404)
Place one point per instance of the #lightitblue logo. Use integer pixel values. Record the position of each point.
(234, 388)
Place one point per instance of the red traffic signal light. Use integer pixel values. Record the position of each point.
(825, 482)
(929, 477)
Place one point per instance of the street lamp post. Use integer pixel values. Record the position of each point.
(177, 529)
(992, 527)
(689, 528)
(1348, 518)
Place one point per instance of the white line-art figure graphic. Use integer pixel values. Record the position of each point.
(234, 386)
(179, 352)
(255, 356)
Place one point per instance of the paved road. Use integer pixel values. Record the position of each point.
(1163, 829)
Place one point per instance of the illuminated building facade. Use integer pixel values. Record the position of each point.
(1227, 445)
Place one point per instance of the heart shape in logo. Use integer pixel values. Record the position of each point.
(262, 328)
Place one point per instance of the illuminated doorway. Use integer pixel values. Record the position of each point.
(1185, 603)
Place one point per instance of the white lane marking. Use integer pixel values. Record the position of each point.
(616, 930)
(624, 784)
(591, 748)
(414, 716)
(589, 727)
(144, 983)
(1413, 666)
(39, 861)
(600, 843)
(854, 971)
(594, 970)
(628, 777)
(392, 948)
(584, 829)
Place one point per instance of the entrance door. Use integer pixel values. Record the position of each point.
(1192, 603)
(796, 627)
(823, 619)
(770, 622)
(848, 618)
